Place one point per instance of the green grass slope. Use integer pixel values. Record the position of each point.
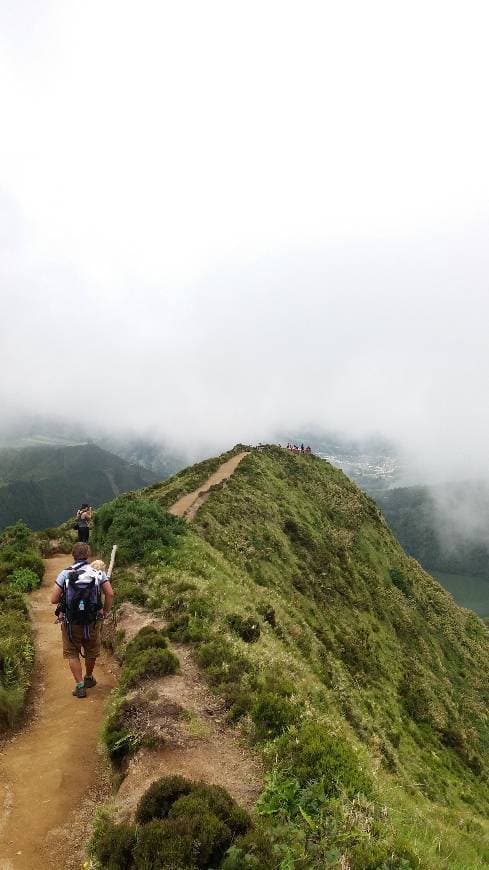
(44, 485)
(354, 673)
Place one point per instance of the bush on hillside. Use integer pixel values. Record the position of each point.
(12, 559)
(120, 740)
(16, 658)
(12, 599)
(157, 800)
(272, 714)
(247, 628)
(140, 528)
(402, 582)
(21, 570)
(148, 663)
(181, 825)
(18, 536)
(128, 588)
(113, 845)
(24, 579)
(253, 851)
(147, 638)
(312, 754)
(370, 854)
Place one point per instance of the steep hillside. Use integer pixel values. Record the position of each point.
(44, 485)
(445, 528)
(347, 666)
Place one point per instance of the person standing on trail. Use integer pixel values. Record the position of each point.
(78, 593)
(83, 517)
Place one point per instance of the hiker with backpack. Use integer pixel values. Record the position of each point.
(78, 593)
(82, 525)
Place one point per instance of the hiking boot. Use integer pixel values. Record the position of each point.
(79, 692)
(90, 682)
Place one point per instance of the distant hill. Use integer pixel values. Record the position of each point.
(44, 485)
(37, 431)
(356, 674)
(446, 528)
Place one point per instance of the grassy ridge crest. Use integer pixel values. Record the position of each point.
(345, 664)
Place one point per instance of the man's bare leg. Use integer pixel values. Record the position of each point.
(76, 670)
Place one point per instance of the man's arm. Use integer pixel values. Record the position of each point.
(57, 592)
(56, 595)
(108, 596)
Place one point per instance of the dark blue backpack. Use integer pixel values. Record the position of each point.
(82, 599)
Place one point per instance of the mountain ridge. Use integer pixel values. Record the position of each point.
(319, 631)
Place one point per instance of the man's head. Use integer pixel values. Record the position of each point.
(81, 552)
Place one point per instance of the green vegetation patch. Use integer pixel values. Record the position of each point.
(185, 825)
(20, 571)
(141, 528)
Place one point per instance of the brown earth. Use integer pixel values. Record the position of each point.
(52, 770)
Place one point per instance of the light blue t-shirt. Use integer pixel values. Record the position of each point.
(100, 577)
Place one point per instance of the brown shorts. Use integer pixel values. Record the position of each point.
(90, 646)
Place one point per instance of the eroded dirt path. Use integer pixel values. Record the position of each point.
(188, 720)
(188, 505)
(51, 772)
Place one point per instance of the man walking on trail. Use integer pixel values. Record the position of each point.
(78, 592)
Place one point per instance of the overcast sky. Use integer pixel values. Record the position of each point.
(219, 218)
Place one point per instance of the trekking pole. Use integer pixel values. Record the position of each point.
(112, 560)
(109, 572)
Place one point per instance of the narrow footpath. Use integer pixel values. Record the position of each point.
(51, 770)
(188, 505)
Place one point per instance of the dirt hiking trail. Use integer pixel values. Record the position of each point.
(50, 771)
(188, 505)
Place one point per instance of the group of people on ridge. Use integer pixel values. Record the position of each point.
(301, 449)
(83, 595)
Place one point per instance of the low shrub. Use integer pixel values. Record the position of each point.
(11, 705)
(218, 801)
(152, 639)
(148, 663)
(247, 628)
(12, 599)
(12, 559)
(112, 845)
(157, 800)
(370, 854)
(164, 845)
(272, 714)
(402, 582)
(119, 740)
(140, 525)
(16, 659)
(209, 836)
(127, 588)
(188, 629)
(24, 579)
(18, 536)
(187, 825)
(222, 663)
(253, 851)
(312, 753)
